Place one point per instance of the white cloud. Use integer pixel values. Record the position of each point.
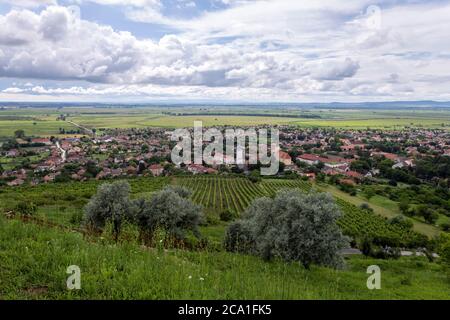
(30, 3)
(284, 49)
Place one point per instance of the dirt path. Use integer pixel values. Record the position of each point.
(89, 131)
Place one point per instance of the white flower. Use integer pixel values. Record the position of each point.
(201, 279)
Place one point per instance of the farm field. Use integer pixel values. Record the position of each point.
(33, 262)
(216, 194)
(41, 121)
(142, 121)
(43, 128)
(380, 123)
(381, 206)
(63, 203)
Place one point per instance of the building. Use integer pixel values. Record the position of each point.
(285, 158)
(156, 170)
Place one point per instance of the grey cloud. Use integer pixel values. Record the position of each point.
(337, 70)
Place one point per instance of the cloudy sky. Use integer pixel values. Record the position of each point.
(224, 50)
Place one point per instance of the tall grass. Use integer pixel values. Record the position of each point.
(33, 262)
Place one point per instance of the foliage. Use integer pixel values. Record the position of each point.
(128, 271)
(110, 204)
(169, 209)
(402, 222)
(26, 208)
(239, 238)
(296, 227)
(227, 215)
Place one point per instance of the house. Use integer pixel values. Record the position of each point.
(352, 147)
(12, 153)
(311, 175)
(16, 182)
(285, 158)
(156, 169)
(390, 156)
(311, 159)
(355, 176)
(197, 169)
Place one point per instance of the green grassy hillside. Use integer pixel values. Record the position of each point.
(34, 259)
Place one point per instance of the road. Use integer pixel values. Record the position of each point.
(63, 152)
(89, 131)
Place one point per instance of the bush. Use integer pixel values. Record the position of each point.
(238, 238)
(366, 246)
(76, 218)
(402, 222)
(366, 206)
(128, 233)
(26, 208)
(170, 210)
(110, 204)
(294, 227)
(228, 215)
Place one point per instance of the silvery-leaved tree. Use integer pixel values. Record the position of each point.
(110, 204)
(294, 226)
(170, 210)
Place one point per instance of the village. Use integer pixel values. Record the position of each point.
(311, 153)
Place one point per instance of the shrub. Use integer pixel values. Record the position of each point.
(171, 210)
(238, 238)
(26, 208)
(227, 215)
(76, 218)
(366, 206)
(366, 246)
(402, 222)
(128, 233)
(110, 204)
(294, 227)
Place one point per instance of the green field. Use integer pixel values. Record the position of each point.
(34, 259)
(44, 128)
(153, 116)
(382, 123)
(142, 121)
(381, 206)
(216, 194)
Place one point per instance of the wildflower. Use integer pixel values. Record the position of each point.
(190, 277)
(202, 279)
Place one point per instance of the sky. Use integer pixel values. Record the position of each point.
(224, 50)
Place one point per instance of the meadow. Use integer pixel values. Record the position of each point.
(35, 127)
(34, 259)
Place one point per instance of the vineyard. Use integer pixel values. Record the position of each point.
(59, 202)
(219, 193)
(216, 194)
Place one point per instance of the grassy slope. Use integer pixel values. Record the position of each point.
(381, 206)
(33, 262)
